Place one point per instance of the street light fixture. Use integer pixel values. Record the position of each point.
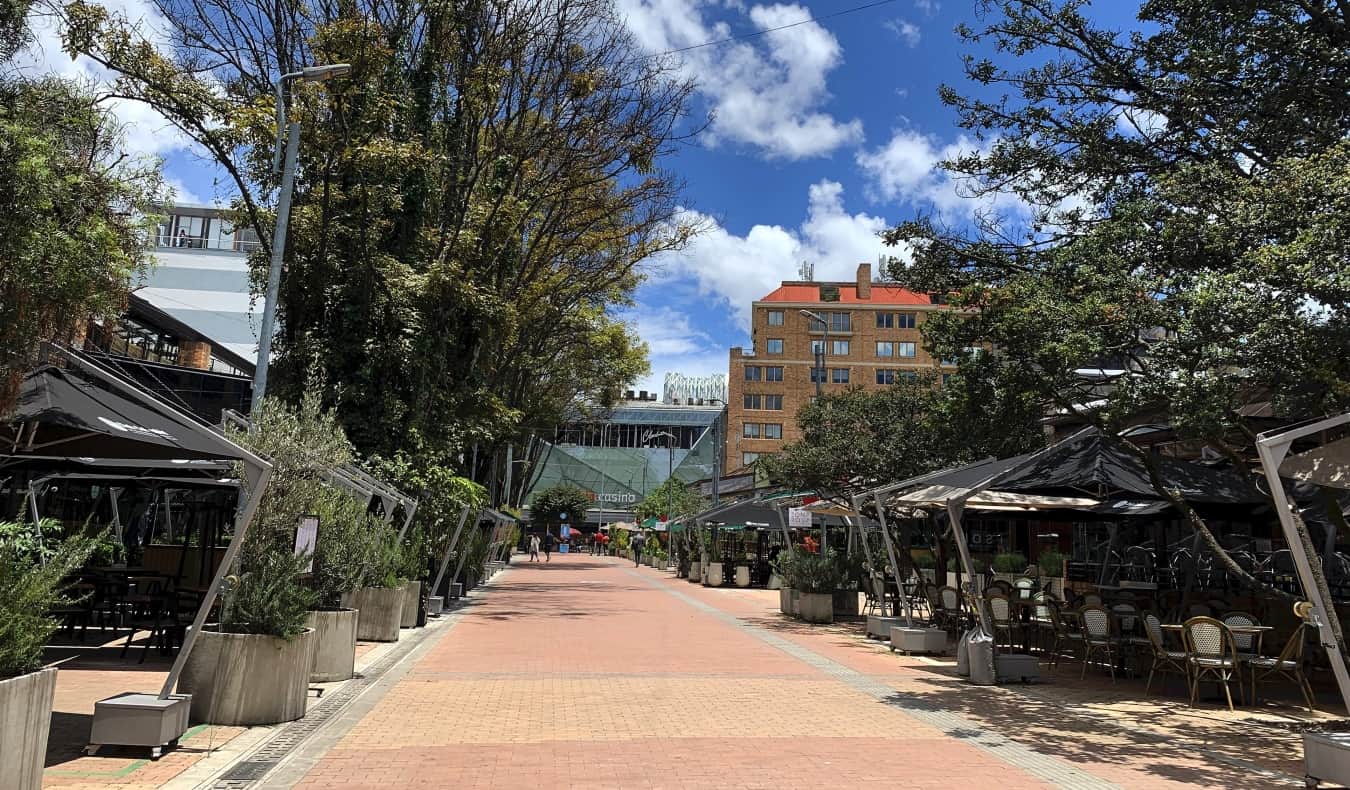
(292, 145)
(820, 355)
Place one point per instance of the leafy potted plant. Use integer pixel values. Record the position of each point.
(816, 577)
(379, 599)
(341, 554)
(1051, 564)
(851, 571)
(412, 566)
(1009, 565)
(785, 565)
(32, 583)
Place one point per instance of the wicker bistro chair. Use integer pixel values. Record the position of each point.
(1043, 619)
(1024, 587)
(1065, 634)
(1212, 655)
(1099, 637)
(1001, 616)
(952, 616)
(1248, 644)
(1288, 664)
(1164, 660)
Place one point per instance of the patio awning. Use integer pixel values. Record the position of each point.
(937, 496)
(1328, 465)
(63, 414)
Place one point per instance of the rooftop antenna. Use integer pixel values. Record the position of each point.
(807, 271)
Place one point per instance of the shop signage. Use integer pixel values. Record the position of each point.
(799, 517)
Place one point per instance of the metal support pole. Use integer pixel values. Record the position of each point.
(890, 552)
(1272, 449)
(463, 555)
(274, 269)
(449, 547)
(407, 521)
(510, 467)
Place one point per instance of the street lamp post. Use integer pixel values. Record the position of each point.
(820, 356)
(292, 132)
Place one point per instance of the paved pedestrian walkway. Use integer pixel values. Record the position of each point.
(588, 673)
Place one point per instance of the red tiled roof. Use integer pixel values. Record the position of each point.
(848, 294)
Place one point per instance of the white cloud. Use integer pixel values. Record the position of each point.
(674, 345)
(731, 271)
(146, 131)
(929, 7)
(906, 31)
(768, 92)
(905, 170)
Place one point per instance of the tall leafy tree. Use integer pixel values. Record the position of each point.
(472, 203)
(75, 210)
(1185, 250)
(557, 506)
(672, 499)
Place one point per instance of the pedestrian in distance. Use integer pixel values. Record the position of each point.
(534, 548)
(548, 547)
(639, 542)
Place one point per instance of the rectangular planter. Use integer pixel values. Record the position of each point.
(412, 598)
(918, 640)
(25, 720)
(381, 611)
(248, 679)
(845, 603)
(1326, 758)
(879, 626)
(815, 607)
(785, 600)
(334, 645)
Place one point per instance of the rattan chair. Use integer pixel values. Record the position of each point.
(949, 603)
(1000, 611)
(1164, 660)
(1247, 643)
(1212, 654)
(1099, 637)
(1288, 665)
(1065, 636)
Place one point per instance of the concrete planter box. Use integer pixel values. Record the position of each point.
(918, 640)
(25, 720)
(381, 611)
(435, 605)
(248, 679)
(1326, 758)
(695, 572)
(775, 581)
(412, 598)
(815, 607)
(879, 626)
(845, 603)
(742, 576)
(794, 598)
(785, 600)
(714, 575)
(334, 645)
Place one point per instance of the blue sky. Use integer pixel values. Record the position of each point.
(823, 135)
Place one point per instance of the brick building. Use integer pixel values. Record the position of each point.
(872, 338)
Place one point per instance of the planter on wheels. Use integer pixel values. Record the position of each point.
(381, 611)
(815, 607)
(334, 644)
(25, 720)
(248, 679)
(412, 598)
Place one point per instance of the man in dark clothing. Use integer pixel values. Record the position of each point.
(548, 547)
(638, 543)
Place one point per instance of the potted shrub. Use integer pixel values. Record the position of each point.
(32, 583)
(412, 566)
(927, 565)
(784, 566)
(1009, 565)
(816, 577)
(379, 599)
(1051, 565)
(851, 572)
(340, 557)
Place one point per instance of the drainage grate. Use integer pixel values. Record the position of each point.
(247, 773)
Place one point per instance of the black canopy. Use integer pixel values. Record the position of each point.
(63, 414)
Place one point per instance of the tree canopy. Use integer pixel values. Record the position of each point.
(548, 506)
(672, 499)
(472, 203)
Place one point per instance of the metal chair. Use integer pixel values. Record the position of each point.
(1001, 617)
(1064, 634)
(1164, 660)
(1288, 665)
(949, 603)
(1099, 637)
(1248, 644)
(1212, 654)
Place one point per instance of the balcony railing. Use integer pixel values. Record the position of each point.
(184, 241)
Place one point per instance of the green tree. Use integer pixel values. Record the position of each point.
(473, 200)
(548, 506)
(672, 499)
(1185, 257)
(75, 213)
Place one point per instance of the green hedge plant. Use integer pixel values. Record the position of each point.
(344, 548)
(1010, 562)
(33, 581)
(1051, 563)
(816, 573)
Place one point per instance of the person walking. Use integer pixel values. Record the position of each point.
(548, 547)
(638, 544)
(534, 548)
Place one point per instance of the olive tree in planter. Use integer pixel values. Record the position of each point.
(379, 599)
(341, 554)
(816, 577)
(785, 567)
(412, 567)
(32, 583)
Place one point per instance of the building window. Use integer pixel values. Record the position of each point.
(908, 375)
(749, 458)
(817, 375)
(773, 430)
(946, 379)
(885, 320)
(885, 376)
(752, 372)
(752, 401)
(839, 375)
(773, 345)
(885, 349)
(817, 347)
(841, 322)
(775, 318)
(905, 349)
(773, 373)
(839, 348)
(907, 320)
(773, 402)
(750, 430)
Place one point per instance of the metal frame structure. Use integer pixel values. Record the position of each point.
(1273, 447)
